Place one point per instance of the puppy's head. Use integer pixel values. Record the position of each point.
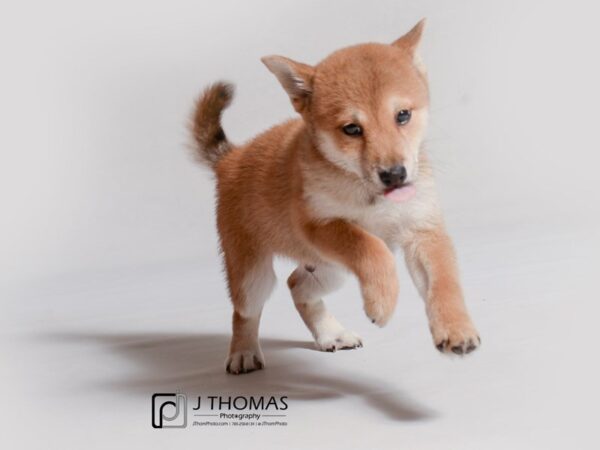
(367, 107)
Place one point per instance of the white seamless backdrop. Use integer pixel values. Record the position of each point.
(95, 173)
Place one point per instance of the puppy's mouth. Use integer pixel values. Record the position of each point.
(400, 194)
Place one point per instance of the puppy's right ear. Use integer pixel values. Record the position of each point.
(296, 78)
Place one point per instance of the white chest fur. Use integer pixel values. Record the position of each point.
(392, 222)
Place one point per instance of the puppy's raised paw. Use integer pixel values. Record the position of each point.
(379, 313)
(244, 362)
(380, 301)
(456, 338)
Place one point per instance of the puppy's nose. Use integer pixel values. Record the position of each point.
(393, 177)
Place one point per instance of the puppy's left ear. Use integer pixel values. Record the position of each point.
(295, 77)
(410, 41)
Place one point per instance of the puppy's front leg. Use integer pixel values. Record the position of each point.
(367, 257)
(432, 264)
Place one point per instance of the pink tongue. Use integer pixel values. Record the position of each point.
(402, 194)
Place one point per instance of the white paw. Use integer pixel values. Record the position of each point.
(342, 340)
(244, 361)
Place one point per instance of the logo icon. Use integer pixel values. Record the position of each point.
(169, 411)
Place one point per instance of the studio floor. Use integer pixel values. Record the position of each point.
(84, 355)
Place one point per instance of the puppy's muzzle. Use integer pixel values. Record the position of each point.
(394, 177)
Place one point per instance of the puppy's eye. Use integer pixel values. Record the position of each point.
(403, 116)
(352, 129)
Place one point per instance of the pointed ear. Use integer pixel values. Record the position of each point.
(410, 41)
(296, 78)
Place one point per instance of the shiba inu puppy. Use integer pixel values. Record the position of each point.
(336, 190)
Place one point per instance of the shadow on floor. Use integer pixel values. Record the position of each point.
(194, 364)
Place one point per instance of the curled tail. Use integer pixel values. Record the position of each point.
(210, 138)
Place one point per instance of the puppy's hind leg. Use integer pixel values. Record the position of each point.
(251, 281)
(307, 285)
